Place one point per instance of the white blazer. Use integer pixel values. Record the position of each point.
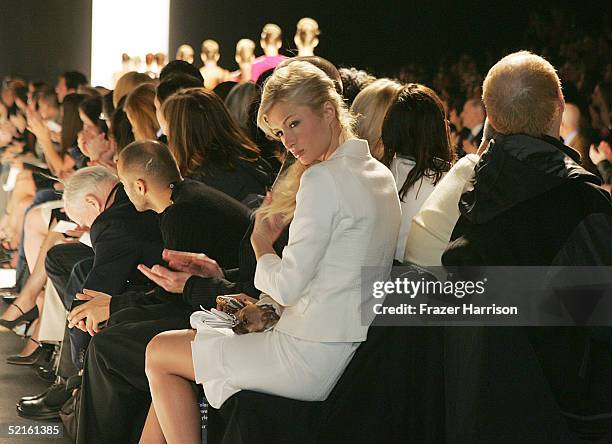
(347, 216)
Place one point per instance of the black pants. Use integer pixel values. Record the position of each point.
(115, 394)
(67, 266)
(60, 263)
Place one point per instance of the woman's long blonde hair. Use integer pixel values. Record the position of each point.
(303, 84)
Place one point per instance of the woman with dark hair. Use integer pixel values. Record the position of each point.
(239, 101)
(93, 138)
(210, 147)
(90, 111)
(416, 149)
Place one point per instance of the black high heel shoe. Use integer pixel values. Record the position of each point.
(24, 318)
(37, 357)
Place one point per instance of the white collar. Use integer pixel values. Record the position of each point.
(570, 137)
(476, 129)
(354, 147)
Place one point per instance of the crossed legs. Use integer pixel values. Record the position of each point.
(174, 416)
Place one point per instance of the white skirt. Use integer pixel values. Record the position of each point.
(269, 362)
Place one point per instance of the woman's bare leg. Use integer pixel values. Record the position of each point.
(21, 198)
(170, 371)
(35, 283)
(15, 221)
(35, 230)
(152, 432)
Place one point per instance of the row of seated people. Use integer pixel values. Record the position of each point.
(171, 228)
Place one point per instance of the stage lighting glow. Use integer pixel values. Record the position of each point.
(133, 27)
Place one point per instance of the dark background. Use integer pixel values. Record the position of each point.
(41, 38)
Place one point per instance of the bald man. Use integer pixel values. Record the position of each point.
(194, 218)
(573, 136)
(531, 204)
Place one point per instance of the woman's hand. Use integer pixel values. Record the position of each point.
(197, 264)
(37, 126)
(266, 230)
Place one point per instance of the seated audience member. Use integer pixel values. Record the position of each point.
(271, 41)
(121, 238)
(153, 181)
(68, 83)
(239, 101)
(417, 150)
(127, 83)
(35, 183)
(213, 74)
(531, 204)
(140, 110)
(272, 150)
(353, 81)
(574, 137)
(323, 64)
(210, 147)
(121, 132)
(370, 108)
(223, 89)
(301, 107)
(472, 120)
(94, 132)
(169, 85)
(433, 225)
(180, 67)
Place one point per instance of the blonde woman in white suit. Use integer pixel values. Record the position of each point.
(344, 213)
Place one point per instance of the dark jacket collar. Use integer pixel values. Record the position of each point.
(516, 168)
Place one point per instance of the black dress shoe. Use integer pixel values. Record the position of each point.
(46, 373)
(46, 407)
(38, 396)
(38, 357)
(23, 319)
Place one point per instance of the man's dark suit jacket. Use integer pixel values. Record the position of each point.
(201, 220)
(122, 238)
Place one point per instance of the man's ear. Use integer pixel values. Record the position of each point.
(141, 187)
(92, 200)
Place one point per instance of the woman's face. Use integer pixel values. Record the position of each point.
(305, 133)
(88, 125)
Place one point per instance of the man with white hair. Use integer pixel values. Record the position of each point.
(531, 204)
(121, 237)
(574, 137)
